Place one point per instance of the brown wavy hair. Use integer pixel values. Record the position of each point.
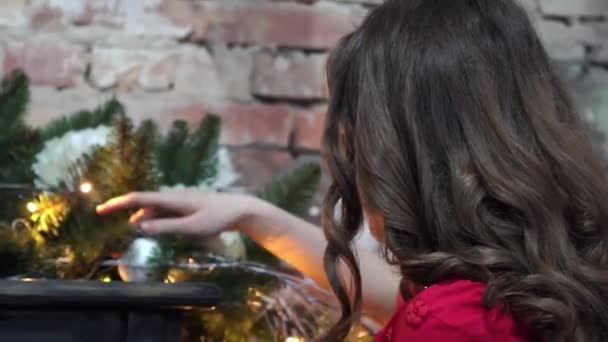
(447, 118)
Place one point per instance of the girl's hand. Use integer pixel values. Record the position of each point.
(187, 211)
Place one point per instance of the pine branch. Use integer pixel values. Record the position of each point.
(144, 175)
(168, 152)
(190, 159)
(295, 191)
(126, 163)
(102, 115)
(18, 143)
(204, 147)
(17, 154)
(14, 99)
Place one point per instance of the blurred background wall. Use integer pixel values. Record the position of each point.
(257, 63)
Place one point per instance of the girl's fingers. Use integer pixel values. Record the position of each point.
(136, 200)
(143, 214)
(182, 225)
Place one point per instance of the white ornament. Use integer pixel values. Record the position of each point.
(135, 263)
(227, 244)
(54, 164)
(234, 247)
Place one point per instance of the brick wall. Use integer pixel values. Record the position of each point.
(257, 63)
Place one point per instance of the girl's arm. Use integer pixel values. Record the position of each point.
(292, 239)
(302, 245)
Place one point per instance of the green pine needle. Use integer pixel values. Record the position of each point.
(295, 191)
(126, 163)
(102, 115)
(18, 143)
(189, 159)
(205, 146)
(168, 151)
(14, 99)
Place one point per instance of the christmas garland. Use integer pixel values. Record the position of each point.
(52, 178)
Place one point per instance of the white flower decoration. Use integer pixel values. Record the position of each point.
(54, 165)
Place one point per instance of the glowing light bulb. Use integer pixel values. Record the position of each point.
(106, 279)
(294, 339)
(32, 207)
(86, 187)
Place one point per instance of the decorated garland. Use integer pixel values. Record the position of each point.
(52, 178)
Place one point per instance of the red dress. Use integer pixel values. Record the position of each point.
(450, 311)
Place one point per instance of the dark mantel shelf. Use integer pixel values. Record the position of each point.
(74, 311)
(87, 294)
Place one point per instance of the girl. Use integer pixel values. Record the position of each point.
(451, 133)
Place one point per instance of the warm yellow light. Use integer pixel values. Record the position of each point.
(28, 280)
(32, 207)
(106, 279)
(191, 261)
(294, 339)
(86, 187)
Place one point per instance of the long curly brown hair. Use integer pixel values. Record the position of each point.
(447, 118)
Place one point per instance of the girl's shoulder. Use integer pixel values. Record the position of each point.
(451, 311)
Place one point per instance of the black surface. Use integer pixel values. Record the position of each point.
(90, 294)
(92, 311)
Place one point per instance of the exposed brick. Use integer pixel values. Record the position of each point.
(601, 42)
(12, 13)
(150, 70)
(271, 23)
(188, 69)
(574, 7)
(45, 17)
(260, 166)
(48, 103)
(197, 74)
(293, 75)
(565, 43)
(133, 17)
(47, 61)
(309, 128)
(256, 124)
(234, 66)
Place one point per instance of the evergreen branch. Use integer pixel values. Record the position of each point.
(190, 159)
(169, 151)
(17, 155)
(102, 115)
(144, 175)
(18, 143)
(14, 99)
(295, 191)
(204, 144)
